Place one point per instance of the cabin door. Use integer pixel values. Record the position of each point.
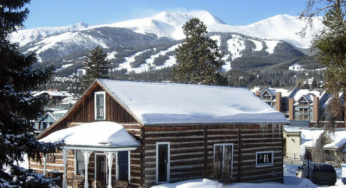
(223, 160)
(101, 171)
(162, 162)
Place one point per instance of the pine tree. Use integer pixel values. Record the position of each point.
(17, 107)
(331, 45)
(198, 58)
(95, 66)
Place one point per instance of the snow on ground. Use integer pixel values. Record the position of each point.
(149, 63)
(64, 67)
(271, 45)
(217, 38)
(69, 37)
(290, 181)
(235, 45)
(25, 36)
(128, 60)
(170, 62)
(111, 55)
(258, 45)
(227, 66)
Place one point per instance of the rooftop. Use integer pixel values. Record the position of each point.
(171, 103)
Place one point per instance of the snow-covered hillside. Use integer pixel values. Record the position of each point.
(169, 24)
(280, 27)
(25, 36)
(146, 44)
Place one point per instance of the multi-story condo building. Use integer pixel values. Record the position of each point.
(301, 105)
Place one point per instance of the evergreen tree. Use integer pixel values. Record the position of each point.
(331, 45)
(17, 107)
(198, 58)
(95, 66)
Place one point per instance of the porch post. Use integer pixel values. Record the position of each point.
(45, 164)
(86, 165)
(64, 157)
(110, 156)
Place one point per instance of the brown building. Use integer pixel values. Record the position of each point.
(174, 132)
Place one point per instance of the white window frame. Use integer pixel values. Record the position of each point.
(267, 164)
(223, 153)
(104, 105)
(117, 166)
(168, 162)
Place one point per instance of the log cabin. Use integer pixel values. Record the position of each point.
(139, 134)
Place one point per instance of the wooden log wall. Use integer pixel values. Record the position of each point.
(190, 160)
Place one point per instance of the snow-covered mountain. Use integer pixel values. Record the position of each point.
(280, 27)
(169, 24)
(148, 43)
(25, 36)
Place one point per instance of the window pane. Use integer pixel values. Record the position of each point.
(228, 160)
(99, 106)
(123, 165)
(218, 155)
(264, 159)
(80, 163)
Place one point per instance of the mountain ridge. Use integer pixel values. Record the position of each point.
(169, 23)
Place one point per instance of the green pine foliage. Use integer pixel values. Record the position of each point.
(331, 44)
(17, 106)
(198, 58)
(96, 66)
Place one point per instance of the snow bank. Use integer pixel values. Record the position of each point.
(164, 103)
(290, 182)
(101, 133)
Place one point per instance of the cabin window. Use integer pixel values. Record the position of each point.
(264, 159)
(162, 162)
(223, 160)
(100, 105)
(123, 165)
(80, 168)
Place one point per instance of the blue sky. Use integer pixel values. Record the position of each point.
(47, 13)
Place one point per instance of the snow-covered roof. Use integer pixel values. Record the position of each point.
(326, 99)
(338, 140)
(170, 103)
(298, 93)
(59, 113)
(101, 133)
(53, 93)
(284, 92)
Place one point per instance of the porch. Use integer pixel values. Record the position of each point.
(95, 154)
(110, 167)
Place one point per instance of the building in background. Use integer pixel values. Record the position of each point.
(301, 106)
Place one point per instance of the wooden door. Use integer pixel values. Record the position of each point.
(163, 162)
(101, 171)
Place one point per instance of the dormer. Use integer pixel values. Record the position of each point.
(100, 105)
(304, 100)
(267, 95)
